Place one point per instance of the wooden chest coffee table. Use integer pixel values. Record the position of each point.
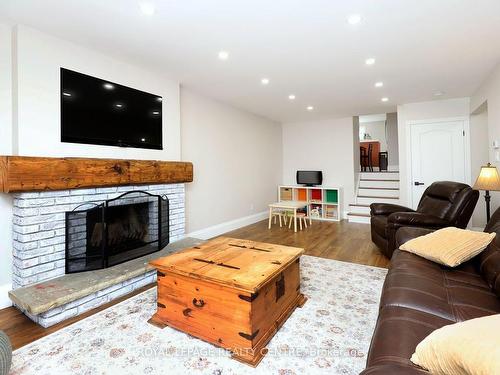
(232, 293)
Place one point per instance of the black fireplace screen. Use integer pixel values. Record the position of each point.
(121, 229)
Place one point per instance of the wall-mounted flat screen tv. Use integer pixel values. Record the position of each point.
(95, 111)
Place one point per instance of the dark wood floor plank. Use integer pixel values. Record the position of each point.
(342, 241)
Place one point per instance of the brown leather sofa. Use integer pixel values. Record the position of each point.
(443, 204)
(420, 296)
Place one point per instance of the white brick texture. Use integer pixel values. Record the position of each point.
(39, 229)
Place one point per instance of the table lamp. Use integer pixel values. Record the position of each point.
(488, 180)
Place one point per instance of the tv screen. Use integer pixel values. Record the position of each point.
(94, 111)
(309, 178)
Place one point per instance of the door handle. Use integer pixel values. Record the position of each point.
(418, 183)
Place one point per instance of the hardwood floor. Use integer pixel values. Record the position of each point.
(349, 242)
(343, 241)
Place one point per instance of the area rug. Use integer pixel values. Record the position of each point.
(329, 335)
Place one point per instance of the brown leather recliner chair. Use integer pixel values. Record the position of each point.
(443, 204)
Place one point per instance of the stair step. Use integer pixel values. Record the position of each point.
(360, 208)
(373, 183)
(370, 192)
(364, 199)
(378, 188)
(375, 179)
(390, 175)
(358, 214)
(374, 197)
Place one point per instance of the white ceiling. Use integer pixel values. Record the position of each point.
(305, 47)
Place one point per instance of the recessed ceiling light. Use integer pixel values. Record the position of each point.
(379, 84)
(223, 55)
(354, 19)
(147, 7)
(385, 99)
(310, 108)
(370, 61)
(66, 94)
(438, 93)
(108, 86)
(264, 81)
(118, 105)
(291, 97)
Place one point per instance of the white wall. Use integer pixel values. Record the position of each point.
(489, 92)
(30, 113)
(325, 145)
(479, 157)
(356, 157)
(392, 139)
(5, 149)
(39, 57)
(237, 163)
(438, 109)
(376, 130)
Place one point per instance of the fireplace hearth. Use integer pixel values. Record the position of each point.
(129, 226)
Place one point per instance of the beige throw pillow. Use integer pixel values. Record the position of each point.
(449, 246)
(470, 347)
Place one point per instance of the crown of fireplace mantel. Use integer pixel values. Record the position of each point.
(26, 173)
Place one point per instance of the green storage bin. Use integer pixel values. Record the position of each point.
(332, 196)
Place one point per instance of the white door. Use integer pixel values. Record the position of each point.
(437, 154)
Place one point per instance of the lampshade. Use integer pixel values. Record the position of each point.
(488, 178)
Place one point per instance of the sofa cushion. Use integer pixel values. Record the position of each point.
(471, 347)
(449, 246)
(397, 334)
(404, 262)
(424, 286)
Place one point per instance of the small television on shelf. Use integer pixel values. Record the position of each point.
(100, 112)
(309, 178)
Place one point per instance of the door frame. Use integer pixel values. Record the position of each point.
(467, 167)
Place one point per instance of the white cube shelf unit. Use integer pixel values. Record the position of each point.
(322, 203)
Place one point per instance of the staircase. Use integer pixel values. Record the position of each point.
(380, 187)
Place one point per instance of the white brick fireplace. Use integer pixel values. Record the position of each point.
(39, 226)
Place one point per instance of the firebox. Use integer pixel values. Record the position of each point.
(132, 225)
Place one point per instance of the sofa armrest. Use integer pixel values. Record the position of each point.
(405, 234)
(416, 219)
(387, 208)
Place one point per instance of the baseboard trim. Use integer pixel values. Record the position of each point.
(4, 296)
(217, 230)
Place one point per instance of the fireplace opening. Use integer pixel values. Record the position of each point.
(121, 229)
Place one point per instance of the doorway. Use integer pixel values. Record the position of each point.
(438, 153)
(378, 142)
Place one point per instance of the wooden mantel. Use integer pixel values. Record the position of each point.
(22, 173)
